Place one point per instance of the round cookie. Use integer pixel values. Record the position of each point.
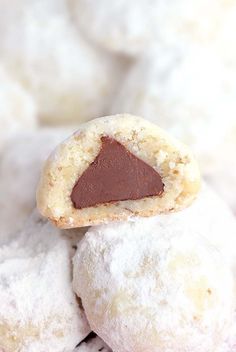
(131, 26)
(39, 311)
(20, 165)
(186, 93)
(70, 80)
(17, 108)
(120, 26)
(208, 24)
(114, 168)
(159, 284)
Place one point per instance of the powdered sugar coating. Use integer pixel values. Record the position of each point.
(70, 80)
(39, 311)
(120, 26)
(17, 108)
(131, 26)
(206, 23)
(163, 283)
(185, 92)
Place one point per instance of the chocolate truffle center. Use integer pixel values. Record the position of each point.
(115, 175)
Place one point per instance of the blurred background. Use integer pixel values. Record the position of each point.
(64, 62)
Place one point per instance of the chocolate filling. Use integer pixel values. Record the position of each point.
(115, 175)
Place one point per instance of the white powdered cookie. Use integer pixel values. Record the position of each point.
(207, 23)
(161, 284)
(93, 345)
(70, 80)
(20, 165)
(17, 108)
(211, 23)
(120, 26)
(131, 26)
(114, 168)
(191, 94)
(39, 311)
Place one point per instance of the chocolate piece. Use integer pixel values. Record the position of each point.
(115, 175)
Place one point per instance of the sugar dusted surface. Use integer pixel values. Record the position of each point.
(131, 27)
(128, 24)
(164, 283)
(39, 311)
(71, 81)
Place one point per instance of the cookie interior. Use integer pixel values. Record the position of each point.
(115, 175)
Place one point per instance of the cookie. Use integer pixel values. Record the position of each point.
(17, 108)
(187, 93)
(20, 165)
(123, 27)
(39, 311)
(114, 168)
(130, 27)
(70, 80)
(207, 24)
(93, 344)
(161, 283)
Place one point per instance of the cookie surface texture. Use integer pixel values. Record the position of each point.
(39, 311)
(160, 284)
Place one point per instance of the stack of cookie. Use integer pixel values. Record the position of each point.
(151, 275)
(149, 260)
(133, 56)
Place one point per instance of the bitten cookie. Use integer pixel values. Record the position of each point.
(39, 311)
(160, 284)
(114, 168)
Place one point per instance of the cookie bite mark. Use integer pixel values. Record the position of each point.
(115, 175)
